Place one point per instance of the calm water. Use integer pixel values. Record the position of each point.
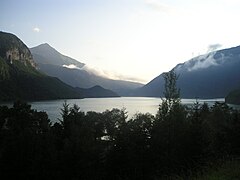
(133, 105)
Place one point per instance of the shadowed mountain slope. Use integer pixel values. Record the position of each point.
(212, 75)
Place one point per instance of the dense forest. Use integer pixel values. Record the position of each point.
(233, 97)
(178, 141)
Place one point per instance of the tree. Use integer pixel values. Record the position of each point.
(171, 94)
(24, 140)
(170, 128)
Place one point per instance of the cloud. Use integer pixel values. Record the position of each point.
(203, 61)
(213, 47)
(105, 74)
(36, 29)
(158, 6)
(71, 66)
(117, 76)
(94, 70)
(110, 75)
(206, 60)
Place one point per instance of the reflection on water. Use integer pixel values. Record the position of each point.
(133, 105)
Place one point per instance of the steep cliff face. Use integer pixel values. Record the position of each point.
(13, 51)
(22, 55)
(19, 78)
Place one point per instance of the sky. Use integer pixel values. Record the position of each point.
(133, 40)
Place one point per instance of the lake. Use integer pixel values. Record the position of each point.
(133, 105)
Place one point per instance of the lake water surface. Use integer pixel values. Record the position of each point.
(133, 105)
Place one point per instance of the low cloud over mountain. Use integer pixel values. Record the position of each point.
(212, 75)
(78, 74)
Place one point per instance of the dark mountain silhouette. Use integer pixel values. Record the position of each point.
(19, 78)
(212, 75)
(74, 73)
(45, 54)
(96, 92)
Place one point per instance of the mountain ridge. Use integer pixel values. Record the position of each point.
(96, 92)
(19, 77)
(212, 75)
(47, 53)
(78, 76)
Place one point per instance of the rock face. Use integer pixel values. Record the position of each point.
(12, 49)
(23, 56)
(19, 78)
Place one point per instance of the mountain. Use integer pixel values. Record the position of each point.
(212, 75)
(45, 54)
(75, 73)
(19, 78)
(233, 97)
(97, 92)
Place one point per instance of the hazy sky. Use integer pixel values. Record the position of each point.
(128, 39)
